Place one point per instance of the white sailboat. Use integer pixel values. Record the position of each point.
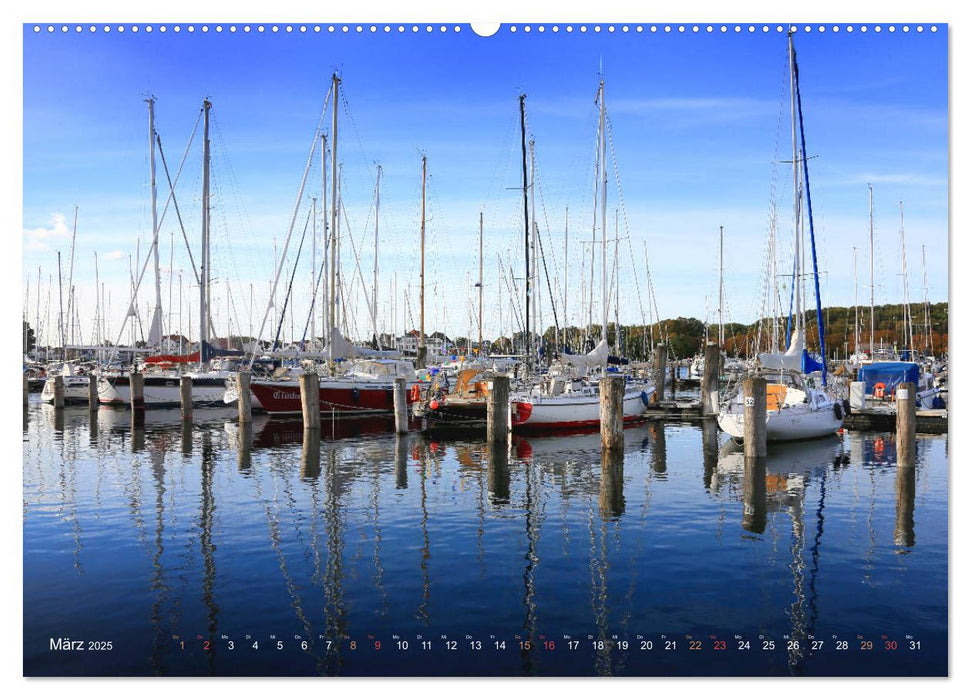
(798, 403)
(568, 397)
(162, 386)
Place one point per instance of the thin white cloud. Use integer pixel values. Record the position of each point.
(115, 255)
(58, 228)
(916, 179)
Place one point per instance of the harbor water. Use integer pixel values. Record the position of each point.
(201, 549)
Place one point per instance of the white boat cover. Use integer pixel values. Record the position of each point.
(791, 359)
(594, 358)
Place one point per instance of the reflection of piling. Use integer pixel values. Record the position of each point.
(659, 453)
(136, 386)
(906, 486)
(92, 392)
(58, 391)
(754, 495)
(26, 389)
(400, 462)
(709, 380)
(497, 461)
(612, 413)
(498, 420)
(753, 392)
(244, 447)
(660, 363)
(137, 431)
(611, 484)
(906, 423)
(58, 421)
(244, 404)
(185, 396)
(400, 405)
(310, 400)
(310, 455)
(709, 448)
(186, 438)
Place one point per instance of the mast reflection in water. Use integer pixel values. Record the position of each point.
(214, 549)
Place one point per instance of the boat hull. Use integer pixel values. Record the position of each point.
(75, 389)
(336, 396)
(786, 424)
(162, 390)
(569, 413)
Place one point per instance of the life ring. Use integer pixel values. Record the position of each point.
(878, 389)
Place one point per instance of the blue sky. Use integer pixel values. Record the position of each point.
(696, 122)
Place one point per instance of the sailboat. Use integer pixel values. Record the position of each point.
(162, 384)
(365, 383)
(798, 402)
(568, 397)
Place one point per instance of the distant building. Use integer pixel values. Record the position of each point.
(436, 343)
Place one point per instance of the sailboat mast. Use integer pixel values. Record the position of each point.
(721, 287)
(566, 271)
(795, 186)
(908, 330)
(534, 282)
(617, 350)
(70, 278)
(60, 304)
(313, 266)
(603, 207)
(872, 324)
(155, 331)
(479, 346)
(333, 225)
(522, 130)
(856, 310)
(421, 290)
(325, 285)
(97, 304)
(928, 340)
(374, 301)
(204, 271)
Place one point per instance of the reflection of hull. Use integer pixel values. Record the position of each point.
(790, 423)
(455, 415)
(110, 420)
(75, 389)
(347, 397)
(568, 412)
(163, 390)
(784, 457)
(586, 441)
(268, 433)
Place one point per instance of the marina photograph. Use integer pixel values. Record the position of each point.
(439, 350)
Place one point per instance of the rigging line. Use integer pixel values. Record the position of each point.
(293, 218)
(812, 235)
(357, 259)
(542, 253)
(313, 302)
(513, 290)
(286, 299)
(623, 206)
(171, 197)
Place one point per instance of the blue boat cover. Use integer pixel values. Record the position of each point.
(810, 363)
(890, 374)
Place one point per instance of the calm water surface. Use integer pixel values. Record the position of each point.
(207, 550)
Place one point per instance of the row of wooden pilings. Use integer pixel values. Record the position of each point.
(499, 406)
